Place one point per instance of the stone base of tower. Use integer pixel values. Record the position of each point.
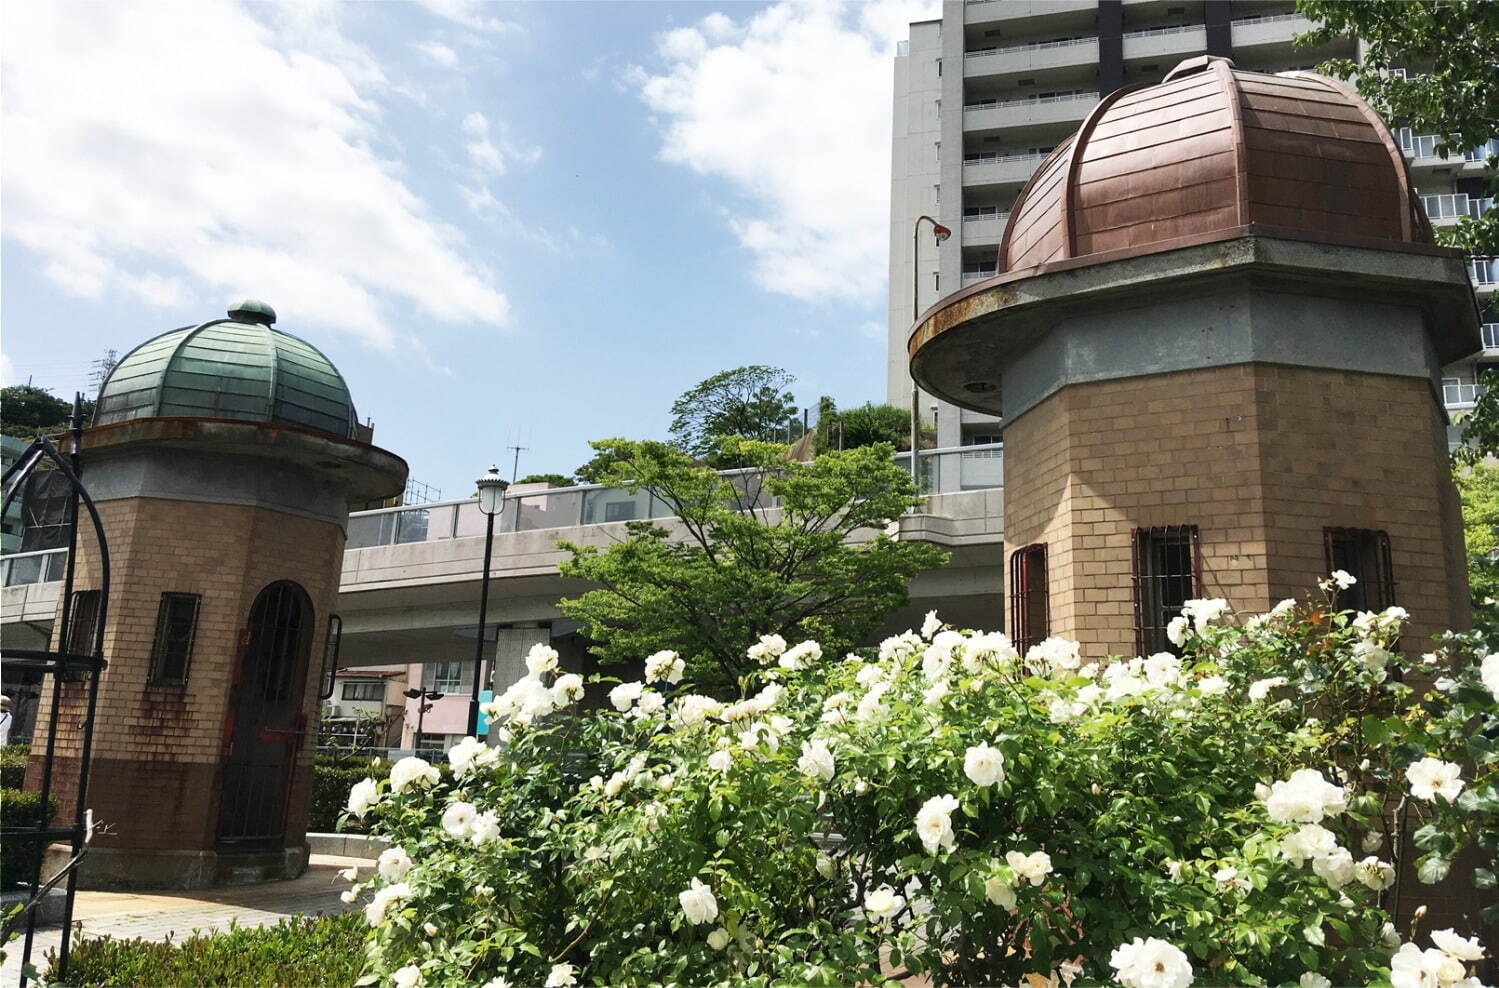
(1262, 459)
(135, 868)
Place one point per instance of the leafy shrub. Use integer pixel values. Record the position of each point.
(995, 815)
(331, 779)
(298, 952)
(18, 857)
(13, 766)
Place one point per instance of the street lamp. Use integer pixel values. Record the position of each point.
(426, 697)
(491, 502)
(941, 233)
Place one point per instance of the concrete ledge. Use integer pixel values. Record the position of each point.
(108, 868)
(48, 912)
(347, 845)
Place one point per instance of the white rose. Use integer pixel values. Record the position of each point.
(1212, 685)
(485, 828)
(407, 977)
(801, 656)
(650, 702)
(721, 761)
(567, 689)
(1336, 869)
(1163, 669)
(390, 895)
(1176, 631)
(693, 709)
(883, 903)
(393, 864)
(1204, 612)
(816, 761)
(665, 665)
(1312, 979)
(1311, 841)
(1033, 867)
(560, 976)
(1260, 689)
(624, 695)
(1343, 579)
(934, 823)
(1374, 873)
(463, 755)
(1151, 963)
(363, 796)
(934, 694)
(1432, 777)
(718, 939)
(541, 659)
(459, 818)
(1306, 797)
(931, 625)
(412, 771)
(999, 892)
(1412, 967)
(984, 765)
(698, 903)
(1372, 841)
(1463, 948)
(1488, 671)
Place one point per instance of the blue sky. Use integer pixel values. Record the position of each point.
(532, 224)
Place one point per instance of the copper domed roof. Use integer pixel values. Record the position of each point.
(1213, 148)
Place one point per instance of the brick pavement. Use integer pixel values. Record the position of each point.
(174, 915)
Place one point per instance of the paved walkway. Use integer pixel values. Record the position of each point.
(175, 915)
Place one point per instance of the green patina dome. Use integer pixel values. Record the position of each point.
(235, 368)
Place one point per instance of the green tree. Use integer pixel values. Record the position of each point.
(1479, 487)
(555, 479)
(752, 402)
(26, 410)
(865, 425)
(730, 569)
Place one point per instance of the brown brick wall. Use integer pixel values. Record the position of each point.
(1259, 457)
(158, 750)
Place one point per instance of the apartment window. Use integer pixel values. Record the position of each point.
(446, 677)
(936, 281)
(1030, 605)
(372, 690)
(1167, 574)
(176, 627)
(1364, 554)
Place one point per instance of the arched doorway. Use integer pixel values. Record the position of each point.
(265, 728)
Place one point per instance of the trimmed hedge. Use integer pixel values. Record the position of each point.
(19, 857)
(332, 778)
(298, 952)
(13, 766)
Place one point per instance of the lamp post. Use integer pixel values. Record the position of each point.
(941, 233)
(426, 697)
(491, 502)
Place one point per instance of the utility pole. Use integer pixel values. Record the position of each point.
(515, 466)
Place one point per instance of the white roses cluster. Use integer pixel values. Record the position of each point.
(1488, 672)
(767, 649)
(1306, 797)
(469, 755)
(883, 903)
(1151, 963)
(665, 666)
(530, 698)
(984, 765)
(1054, 656)
(392, 895)
(412, 773)
(800, 656)
(1032, 867)
(816, 761)
(463, 821)
(1196, 615)
(698, 903)
(1444, 965)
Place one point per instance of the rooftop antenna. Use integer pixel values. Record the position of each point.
(515, 466)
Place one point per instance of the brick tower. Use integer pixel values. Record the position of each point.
(1216, 339)
(223, 458)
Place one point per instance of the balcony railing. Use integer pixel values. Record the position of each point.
(984, 213)
(971, 276)
(1446, 207)
(1155, 32)
(991, 104)
(569, 507)
(982, 157)
(1266, 18)
(1032, 46)
(1425, 146)
(1484, 270)
(1455, 392)
(20, 569)
(1490, 333)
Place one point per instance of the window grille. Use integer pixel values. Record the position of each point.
(81, 622)
(1167, 573)
(1030, 603)
(364, 691)
(1364, 554)
(176, 628)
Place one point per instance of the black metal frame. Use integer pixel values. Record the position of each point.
(1151, 617)
(160, 643)
(1376, 589)
(63, 666)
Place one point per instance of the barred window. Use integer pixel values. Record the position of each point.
(176, 628)
(1167, 573)
(1030, 605)
(1363, 553)
(83, 622)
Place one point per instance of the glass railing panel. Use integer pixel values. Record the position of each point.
(470, 521)
(546, 509)
(25, 568)
(608, 504)
(363, 532)
(411, 525)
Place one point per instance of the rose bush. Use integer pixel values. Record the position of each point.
(1232, 815)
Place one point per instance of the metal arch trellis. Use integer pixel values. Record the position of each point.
(60, 664)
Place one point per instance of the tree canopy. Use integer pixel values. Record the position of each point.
(26, 410)
(865, 425)
(752, 402)
(730, 568)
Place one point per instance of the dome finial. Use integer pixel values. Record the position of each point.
(252, 310)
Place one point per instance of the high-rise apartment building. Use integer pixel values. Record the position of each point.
(984, 93)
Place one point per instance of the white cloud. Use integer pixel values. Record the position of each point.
(485, 153)
(172, 150)
(482, 202)
(437, 52)
(470, 14)
(792, 107)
